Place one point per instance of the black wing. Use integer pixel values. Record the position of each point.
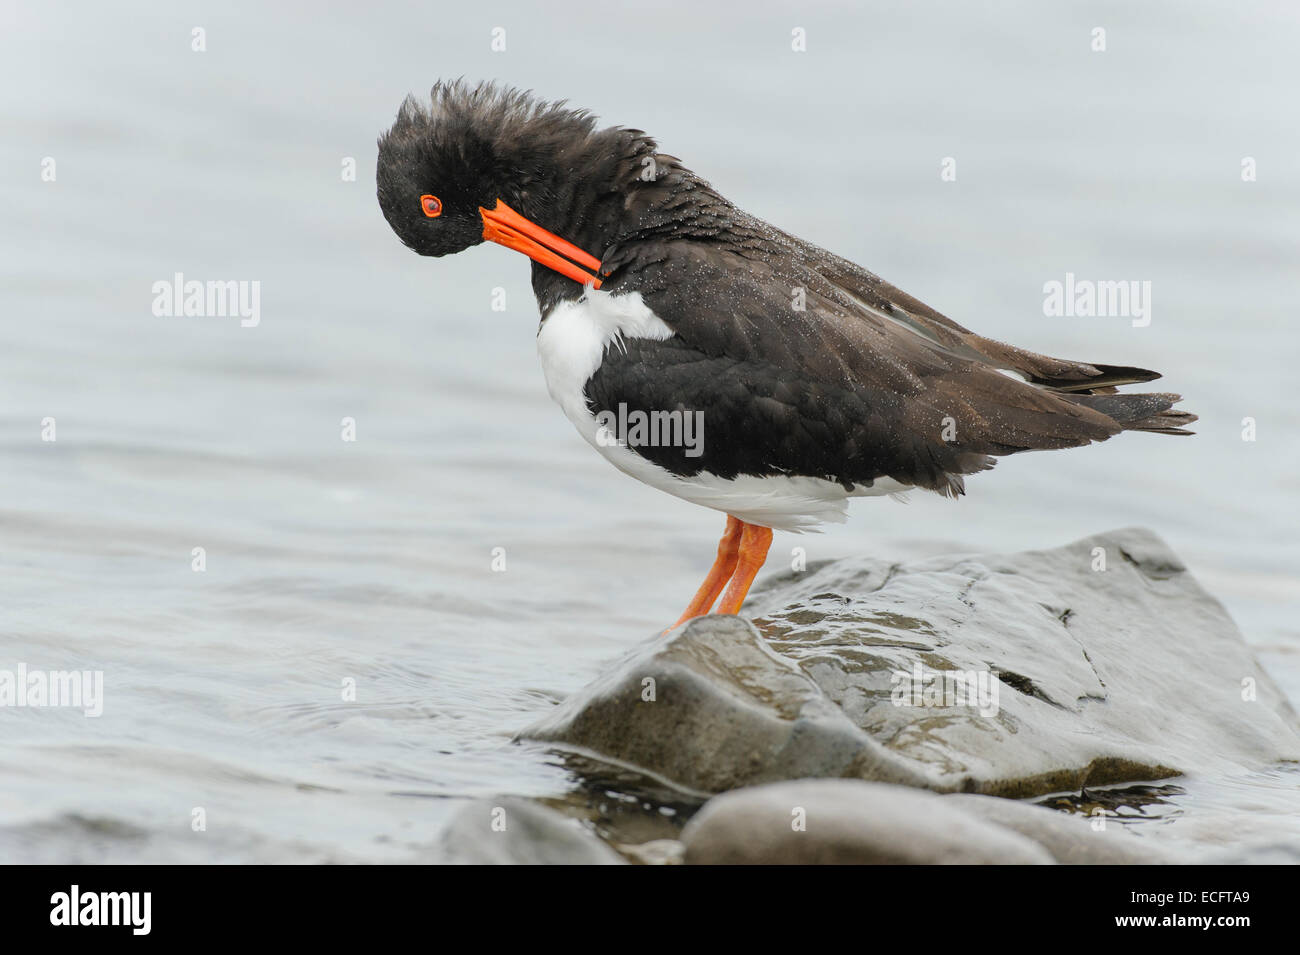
(802, 363)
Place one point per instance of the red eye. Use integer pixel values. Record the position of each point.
(431, 205)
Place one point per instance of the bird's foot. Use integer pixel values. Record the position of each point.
(741, 553)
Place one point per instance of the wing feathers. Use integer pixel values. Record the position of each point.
(824, 369)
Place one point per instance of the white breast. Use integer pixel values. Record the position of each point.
(572, 344)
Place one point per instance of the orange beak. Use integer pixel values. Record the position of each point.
(505, 226)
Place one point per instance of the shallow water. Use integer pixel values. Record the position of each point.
(371, 560)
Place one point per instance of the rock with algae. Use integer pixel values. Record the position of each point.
(1100, 662)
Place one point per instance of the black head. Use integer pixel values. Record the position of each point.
(455, 149)
(487, 162)
(471, 147)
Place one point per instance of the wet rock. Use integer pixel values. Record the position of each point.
(1095, 663)
(1241, 821)
(509, 830)
(849, 822)
(655, 852)
(1264, 853)
(1071, 839)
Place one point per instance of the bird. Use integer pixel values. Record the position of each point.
(805, 379)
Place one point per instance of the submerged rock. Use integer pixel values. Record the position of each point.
(511, 830)
(1100, 662)
(1071, 839)
(849, 822)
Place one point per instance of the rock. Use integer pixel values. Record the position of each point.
(1070, 839)
(1264, 853)
(849, 822)
(532, 835)
(1127, 673)
(855, 822)
(655, 852)
(1240, 821)
(721, 710)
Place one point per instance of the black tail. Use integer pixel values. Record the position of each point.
(1143, 412)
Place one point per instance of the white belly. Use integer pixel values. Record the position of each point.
(572, 344)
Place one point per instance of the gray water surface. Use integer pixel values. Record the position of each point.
(371, 561)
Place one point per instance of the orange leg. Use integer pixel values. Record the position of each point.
(753, 552)
(719, 573)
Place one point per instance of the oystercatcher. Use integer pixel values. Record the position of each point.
(814, 380)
